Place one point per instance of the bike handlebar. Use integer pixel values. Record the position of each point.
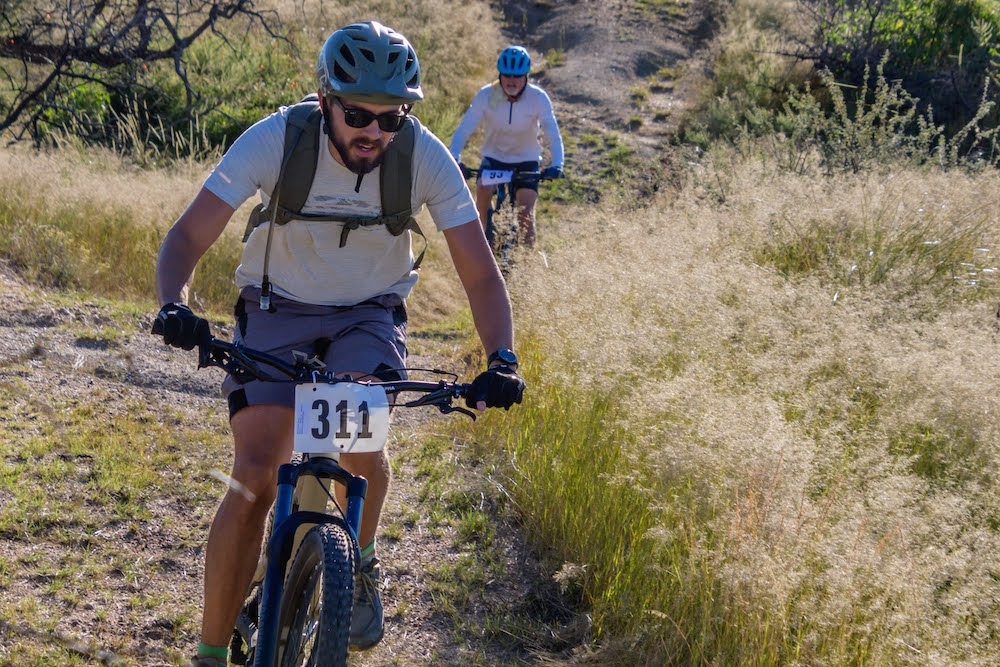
(519, 177)
(245, 364)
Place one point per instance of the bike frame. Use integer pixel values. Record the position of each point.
(245, 364)
(504, 191)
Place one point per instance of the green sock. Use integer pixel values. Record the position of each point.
(217, 652)
(368, 552)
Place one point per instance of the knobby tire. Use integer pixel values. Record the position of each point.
(314, 623)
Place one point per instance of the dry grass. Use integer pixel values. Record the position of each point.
(762, 421)
(73, 199)
(92, 221)
(833, 444)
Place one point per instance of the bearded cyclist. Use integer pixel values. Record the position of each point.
(512, 111)
(310, 286)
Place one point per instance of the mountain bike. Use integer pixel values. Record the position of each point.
(298, 611)
(501, 227)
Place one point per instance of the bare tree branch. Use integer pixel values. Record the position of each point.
(49, 46)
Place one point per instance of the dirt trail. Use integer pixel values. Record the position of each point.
(616, 67)
(608, 50)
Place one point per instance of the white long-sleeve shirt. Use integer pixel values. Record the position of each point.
(511, 129)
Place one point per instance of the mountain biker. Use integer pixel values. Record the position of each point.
(344, 302)
(512, 111)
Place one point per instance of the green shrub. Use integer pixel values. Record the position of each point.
(940, 50)
(940, 56)
(238, 84)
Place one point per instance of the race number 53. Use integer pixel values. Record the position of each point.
(495, 176)
(341, 417)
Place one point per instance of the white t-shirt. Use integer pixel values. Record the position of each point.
(510, 129)
(307, 263)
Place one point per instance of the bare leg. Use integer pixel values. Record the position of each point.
(262, 437)
(483, 195)
(375, 468)
(526, 215)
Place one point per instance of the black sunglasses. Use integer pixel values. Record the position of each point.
(390, 121)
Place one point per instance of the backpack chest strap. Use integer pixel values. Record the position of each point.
(396, 224)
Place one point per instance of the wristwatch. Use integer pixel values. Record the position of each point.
(504, 356)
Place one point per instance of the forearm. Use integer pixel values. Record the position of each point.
(469, 123)
(554, 139)
(186, 241)
(483, 284)
(174, 268)
(492, 316)
(458, 140)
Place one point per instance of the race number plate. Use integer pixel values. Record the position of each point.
(495, 176)
(341, 417)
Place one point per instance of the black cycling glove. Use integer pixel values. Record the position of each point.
(498, 387)
(182, 328)
(465, 170)
(552, 172)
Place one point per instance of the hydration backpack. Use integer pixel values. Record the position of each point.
(303, 132)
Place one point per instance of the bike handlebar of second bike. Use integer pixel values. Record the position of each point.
(518, 177)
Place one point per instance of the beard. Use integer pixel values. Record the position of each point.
(359, 165)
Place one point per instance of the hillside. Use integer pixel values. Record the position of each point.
(122, 585)
(619, 74)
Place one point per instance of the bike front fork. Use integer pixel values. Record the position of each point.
(287, 525)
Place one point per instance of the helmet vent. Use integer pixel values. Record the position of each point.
(346, 54)
(369, 62)
(341, 74)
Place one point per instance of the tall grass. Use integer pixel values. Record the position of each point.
(760, 426)
(908, 244)
(88, 221)
(739, 463)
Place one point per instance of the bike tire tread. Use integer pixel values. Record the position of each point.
(328, 547)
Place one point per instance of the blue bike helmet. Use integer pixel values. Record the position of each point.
(369, 62)
(514, 61)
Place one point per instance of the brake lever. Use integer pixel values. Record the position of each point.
(447, 407)
(205, 354)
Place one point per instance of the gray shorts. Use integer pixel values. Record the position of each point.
(369, 337)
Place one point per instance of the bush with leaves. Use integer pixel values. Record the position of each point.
(878, 124)
(941, 50)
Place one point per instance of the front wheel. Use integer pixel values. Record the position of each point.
(314, 620)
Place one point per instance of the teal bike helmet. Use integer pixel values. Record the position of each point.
(514, 61)
(370, 63)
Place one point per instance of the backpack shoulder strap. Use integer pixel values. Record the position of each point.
(302, 134)
(396, 184)
(298, 164)
(397, 164)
